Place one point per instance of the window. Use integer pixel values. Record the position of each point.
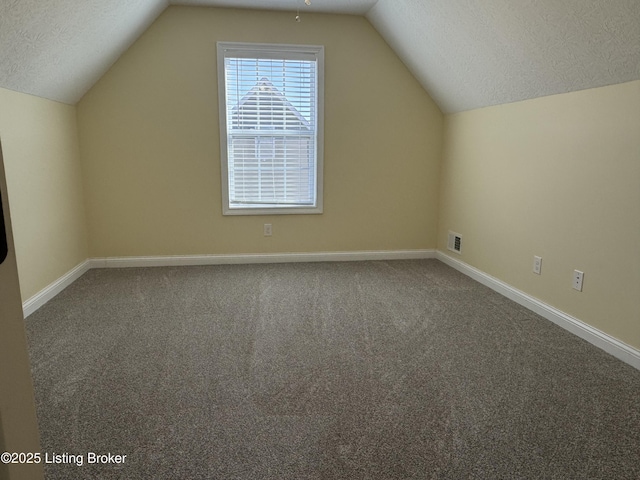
(271, 119)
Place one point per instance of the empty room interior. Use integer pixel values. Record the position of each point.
(326, 239)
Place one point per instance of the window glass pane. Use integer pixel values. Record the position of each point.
(271, 118)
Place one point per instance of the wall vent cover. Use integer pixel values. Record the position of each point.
(455, 242)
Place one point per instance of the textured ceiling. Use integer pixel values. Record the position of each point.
(466, 53)
(471, 53)
(353, 7)
(58, 49)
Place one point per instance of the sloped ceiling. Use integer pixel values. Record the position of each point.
(58, 49)
(466, 53)
(475, 53)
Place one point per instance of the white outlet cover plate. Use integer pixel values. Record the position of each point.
(537, 265)
(578, 276)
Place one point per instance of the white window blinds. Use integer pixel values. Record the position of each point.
(270, 124)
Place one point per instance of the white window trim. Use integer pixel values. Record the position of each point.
(246, 49)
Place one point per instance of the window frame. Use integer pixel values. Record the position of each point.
(276, 51)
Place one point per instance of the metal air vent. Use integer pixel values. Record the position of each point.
(455, 242)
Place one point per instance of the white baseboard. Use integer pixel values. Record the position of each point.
(43, 296)
(187, 260)
(591, 334)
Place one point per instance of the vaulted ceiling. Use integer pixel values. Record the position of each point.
(466, 53)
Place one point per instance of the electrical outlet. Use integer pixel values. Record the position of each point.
(267, 230)
(537, 265)
(577, 280)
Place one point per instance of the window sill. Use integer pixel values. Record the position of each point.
(273, 211)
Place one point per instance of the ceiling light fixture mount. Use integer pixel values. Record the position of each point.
(306, 2)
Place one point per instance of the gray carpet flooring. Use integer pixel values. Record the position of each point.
(364, 370)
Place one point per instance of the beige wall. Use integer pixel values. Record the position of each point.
(18, 427)
(42, 164)
(149, 138)
(557, 177)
